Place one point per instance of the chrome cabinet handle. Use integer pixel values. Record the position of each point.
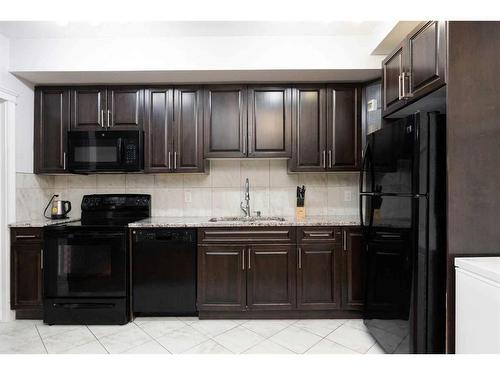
(26, 236)
(41, 259)
(329, 158)
(319, 234)
(324, 158)
(299, 250)
(175, 159)
(169, 159)
(64, 160)
(345, 240)
(249, 261)
(403, 85)
(102, 118)
(109, 124)
(400, 96)
(243, 260)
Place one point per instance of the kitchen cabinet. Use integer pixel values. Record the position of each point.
(107, 108)
(26, 272)
(88, 108)
(221, 278)
(225, 121)
(319, 276)
(343, 127)
(271, 277)
(244, 269)
(52, 118)
(326, 128)
(269, 122)
(416, 67)
(188, 130)
(354, 258)
(174, 130)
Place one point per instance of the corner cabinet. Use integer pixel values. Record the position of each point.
(326, 128)
(26, 272)
(52, 118)
(416, 67)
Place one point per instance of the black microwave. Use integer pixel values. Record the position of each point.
(105, 151)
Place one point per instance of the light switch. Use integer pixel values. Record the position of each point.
(187, 197)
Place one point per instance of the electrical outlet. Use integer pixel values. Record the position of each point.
(347, 196)
(187, 197)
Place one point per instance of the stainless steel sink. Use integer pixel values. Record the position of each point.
(246, 219)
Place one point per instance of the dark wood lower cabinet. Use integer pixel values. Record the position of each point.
(271, 277)
(221, 278)
(319, 276)
(26, 272)
(354, 254)
(318, 273)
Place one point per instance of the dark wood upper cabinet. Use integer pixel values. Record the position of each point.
(221, 278)
(188, 130)
(225, 121)
(308, 129)
(271, 277)
(52, 114)
(354, 265)
(319, 276)
(269, 122)
(158, 130)
(125, 108)
(392, 70)
(426, 59)
(88, 108)
(415, 68)
(344, 127)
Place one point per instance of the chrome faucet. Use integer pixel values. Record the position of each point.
(246, 208)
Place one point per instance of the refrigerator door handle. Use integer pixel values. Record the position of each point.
(361, 178)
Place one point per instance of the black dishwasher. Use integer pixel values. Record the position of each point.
(164, 272)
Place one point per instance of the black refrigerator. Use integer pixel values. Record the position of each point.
(403, 217)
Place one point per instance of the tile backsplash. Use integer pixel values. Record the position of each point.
(218, 193)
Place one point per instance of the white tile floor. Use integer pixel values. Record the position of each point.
(192, 336)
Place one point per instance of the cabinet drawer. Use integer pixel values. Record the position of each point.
(315, 234)
(246, 235)
(26, 235)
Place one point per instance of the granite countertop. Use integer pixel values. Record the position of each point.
(41, 222)
(196, 222)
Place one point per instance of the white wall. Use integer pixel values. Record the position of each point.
(24, 110)
(194, 53)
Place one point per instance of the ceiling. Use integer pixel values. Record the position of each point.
(46, 29)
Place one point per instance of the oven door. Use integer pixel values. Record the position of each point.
(80, 262)
(105, 151)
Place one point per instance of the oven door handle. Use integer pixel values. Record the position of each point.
(120, 151)
(97, 235)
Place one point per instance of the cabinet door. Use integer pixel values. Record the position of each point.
(425, 70)
(392, 69)
(125, 108)
(319, 277)
(308, 129)
(88, 107)
(221, 278)
(225, 121)
(188, 123)
(354, 269)
(271, 277)
(344, 127)
(26, 278)
(51, 126)
(158, 130)
(269, 122)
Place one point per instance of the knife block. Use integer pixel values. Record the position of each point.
(300, 213)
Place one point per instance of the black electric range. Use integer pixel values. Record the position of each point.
(86, 263)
